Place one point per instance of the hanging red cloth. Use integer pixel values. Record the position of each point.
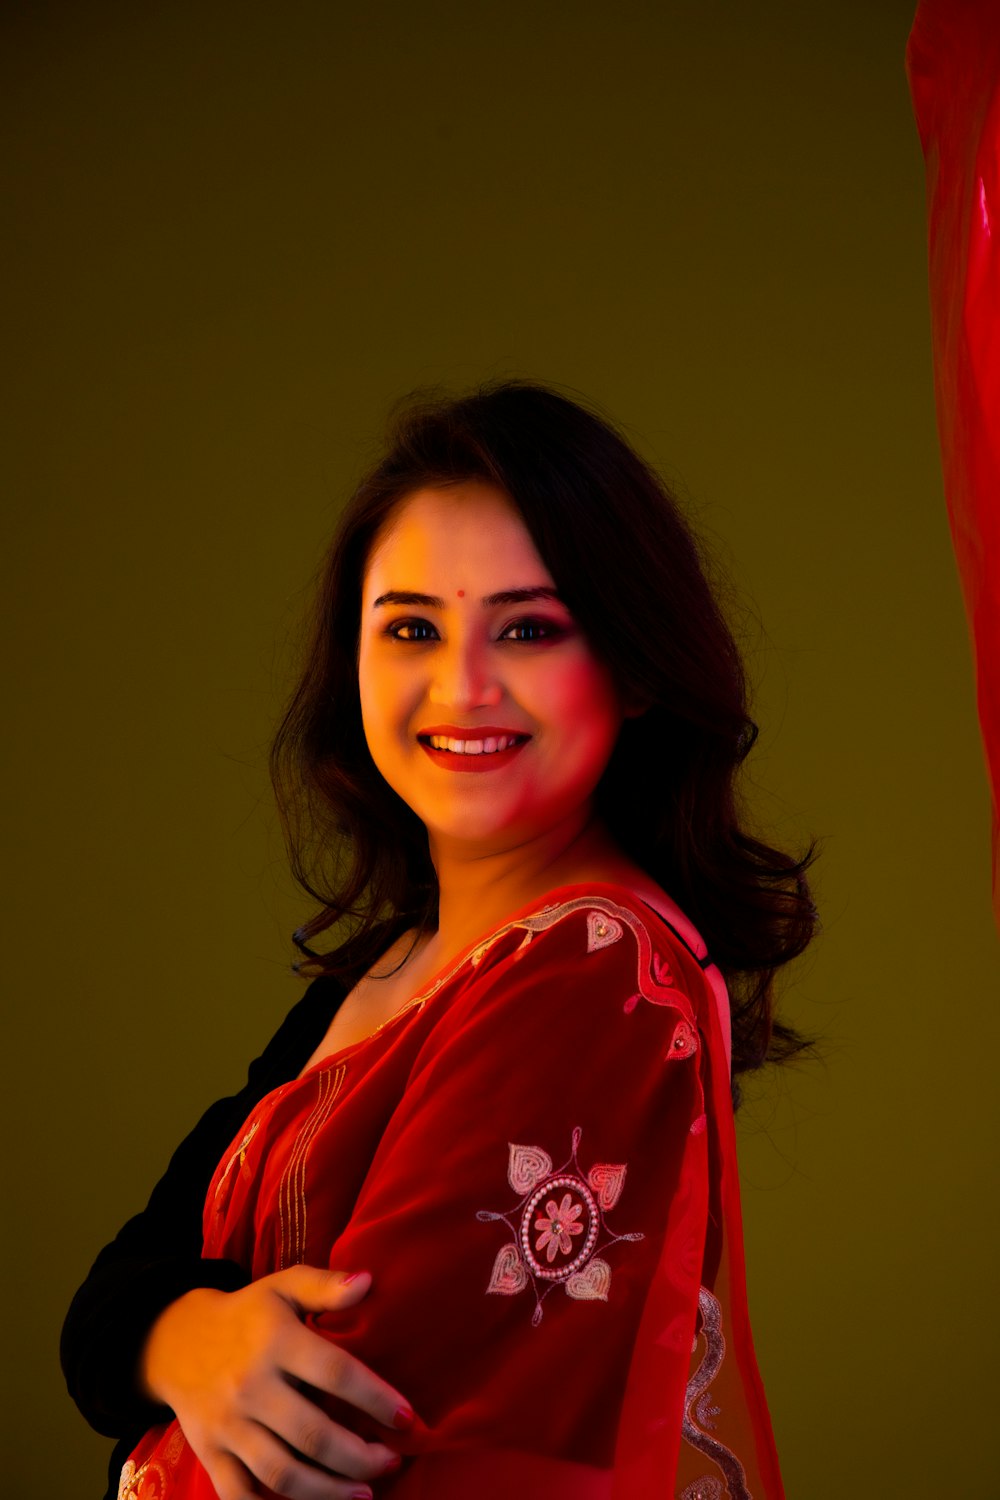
(953, 68)
(536, 1159)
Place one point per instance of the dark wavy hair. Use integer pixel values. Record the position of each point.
(631, 571)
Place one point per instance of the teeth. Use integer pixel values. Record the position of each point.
(488, 746)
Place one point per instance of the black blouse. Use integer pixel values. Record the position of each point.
(156, 1256)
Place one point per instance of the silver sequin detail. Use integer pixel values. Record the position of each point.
(694, 1405)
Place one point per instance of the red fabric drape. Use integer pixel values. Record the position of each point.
(536, 1160)
(953, 68)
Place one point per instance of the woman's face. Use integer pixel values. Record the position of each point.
(487, 713)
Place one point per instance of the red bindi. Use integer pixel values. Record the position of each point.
(461, 593)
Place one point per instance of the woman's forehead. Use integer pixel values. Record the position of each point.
(463, 537)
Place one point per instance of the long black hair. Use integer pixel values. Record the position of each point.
(631, 570)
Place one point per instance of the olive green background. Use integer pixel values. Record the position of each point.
(239, 232)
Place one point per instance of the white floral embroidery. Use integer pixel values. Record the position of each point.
(607, 1183)
(593, 1284)
(526, 1166)
(602, 931)
(557, 1226)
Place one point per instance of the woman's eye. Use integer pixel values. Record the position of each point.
(520, 632)
(412, 630)
(531, 630)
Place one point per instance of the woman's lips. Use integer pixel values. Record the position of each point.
(486, 756)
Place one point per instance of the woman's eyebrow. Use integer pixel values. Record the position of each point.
(431, 601)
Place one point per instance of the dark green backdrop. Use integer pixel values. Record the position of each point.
(239, 231)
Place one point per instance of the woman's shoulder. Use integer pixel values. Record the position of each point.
(606, 930)
(586, 975)
(658, 949)
(610, 908)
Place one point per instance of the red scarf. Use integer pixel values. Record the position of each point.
(536, 1160)
(953, 68)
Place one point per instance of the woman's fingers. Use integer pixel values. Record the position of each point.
(289, 1476)
(231, 1479)
(322, 1364)
(228, 1363)
(304, 1427)
(315, 1289)
(329, 1368)
(234, 1481)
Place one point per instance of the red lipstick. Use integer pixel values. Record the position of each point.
(483, 760)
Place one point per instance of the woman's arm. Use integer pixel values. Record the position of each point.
(156, 1256)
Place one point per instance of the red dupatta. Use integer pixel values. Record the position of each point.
(535, 1158)
(953, 70)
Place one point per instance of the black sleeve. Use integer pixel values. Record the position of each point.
(156, 1255)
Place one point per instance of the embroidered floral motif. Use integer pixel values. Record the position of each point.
(698, 1411)
(602, 931)
(557, 1227)
(565, 1215)
(594, 1283)
(683, 1042)
(607, 1183)
(527, 1164)
(148, 1482)
(151, 1479)
(509, 1275)
(705, 1411)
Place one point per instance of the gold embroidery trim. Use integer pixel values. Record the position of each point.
(292, 1210)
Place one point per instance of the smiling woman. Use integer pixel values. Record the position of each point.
(472, 656)
(505, 1101)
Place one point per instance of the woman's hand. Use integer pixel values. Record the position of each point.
(226, 1363)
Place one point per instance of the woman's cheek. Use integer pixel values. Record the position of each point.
(583, 695)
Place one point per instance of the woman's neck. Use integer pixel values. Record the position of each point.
(479, 889)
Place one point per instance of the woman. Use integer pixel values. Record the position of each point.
(504, 1103)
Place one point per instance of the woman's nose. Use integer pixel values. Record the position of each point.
(464, 678)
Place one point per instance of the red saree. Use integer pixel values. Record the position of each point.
(536, 1160)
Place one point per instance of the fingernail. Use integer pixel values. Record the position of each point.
(404, 1416)
(392, 1463)
(360, 1495)
(353, 1277)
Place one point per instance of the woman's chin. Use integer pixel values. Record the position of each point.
(472, 840)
